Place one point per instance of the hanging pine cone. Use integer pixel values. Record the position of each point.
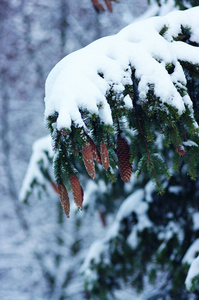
(95, 152)
(97, 5)
(64, 199)
(180, 150)
(77, 191)
(88, 160)
(104, 155)
(123, 154)
(63, 131)
(54, 186)
(109, 5)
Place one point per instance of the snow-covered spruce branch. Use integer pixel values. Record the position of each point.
(39, 169)
(134, 244)
(117, 95)
(191, 258)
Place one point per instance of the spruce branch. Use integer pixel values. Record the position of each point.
(160, 189)
(138, 93)
(135, 100)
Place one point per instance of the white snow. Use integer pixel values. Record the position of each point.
(143, 222)
(190, 143)
(193, 272)
(134, 203)
(191, 257)
(95, 251)
(170, 230)
(75, 83)
(191, 253)
(33, 172)
(128, 102)
(149, 189)
(195, 217)
(175, 189)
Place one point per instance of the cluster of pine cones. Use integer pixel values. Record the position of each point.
(99, 7)
(90, 154)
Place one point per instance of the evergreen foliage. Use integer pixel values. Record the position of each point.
(142, 121)
(180, 4)
(154, 228)
(139, 254)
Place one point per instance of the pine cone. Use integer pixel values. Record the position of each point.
(64, 199)
(97, 5)
(95, 152)
(54, 186)
(104, 155)
(123, 154)
(77, 191)
(63, 131)
(88, 160)
(180, 150)
(109, 5)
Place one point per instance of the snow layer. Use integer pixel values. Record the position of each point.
(192, 273)
(193, 261)
(195, 217)
(39, 150)
(81, 80)
(190, 143)
(191, 253)
(170, 230)
(134, 203)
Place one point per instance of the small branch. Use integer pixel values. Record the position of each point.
(135, 98)
(184, 132)
(156, 180)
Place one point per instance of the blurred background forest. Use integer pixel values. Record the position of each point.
(34, 36)
(39, 252)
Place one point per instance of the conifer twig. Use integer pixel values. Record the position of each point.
(135, 98)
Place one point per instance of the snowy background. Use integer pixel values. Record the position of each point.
(38, 248)
(34, 37)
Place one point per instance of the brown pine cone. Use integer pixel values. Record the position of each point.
(97, 5)
(54, 186)
(109, 5)
(88, 160)
(64, 199)
(123, 154)
(180, 150)
(77, 191)
(104, 155)
(95, 152)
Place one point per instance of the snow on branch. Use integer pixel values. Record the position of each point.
(191, 258)
(133, 204)
(108, 103)
(82, 79)
(38, 169)
(192, 279)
